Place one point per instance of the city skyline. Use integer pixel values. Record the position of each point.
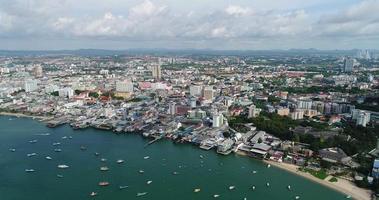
(221, 25)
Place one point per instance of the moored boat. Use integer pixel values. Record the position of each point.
(104, 183)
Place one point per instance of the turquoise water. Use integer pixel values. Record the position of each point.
(213, 174)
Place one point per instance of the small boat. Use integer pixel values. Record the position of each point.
(64, 137)
(216, 195)
(69, 137)
(289, 187)
(196, 190)
(43, 134)
(31, 154)
(63, 166)
(104, 168)
(57, 150)
(59, 175)
(93, 194)
(201, 156)
(141, 171)
(48, 158)
(141, 194)
(104, 183)
(253, 188)
(103, 160)
(123, 187)
(268, 166)
(297, 197)
(12, 150)
(146, 157)
(83, 148)
(232, 187)
(348, 197)
(30, 170)
(97, 154)
(56, 143)
(268, 184)
(254, 172)
(175, 173)
(149, 182)
(33, 141)
(120, 161)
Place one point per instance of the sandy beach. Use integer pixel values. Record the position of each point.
(24, 115)
(341, 185)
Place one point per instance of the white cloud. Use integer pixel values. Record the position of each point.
(237, 10)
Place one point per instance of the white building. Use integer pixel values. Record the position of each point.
(218, 120)
(254, 111)
(124, 86)
(66, 92)
(196, 90)
(172, 108)
(297, 114)
(30, 85)
(362, 117)
(307, 104)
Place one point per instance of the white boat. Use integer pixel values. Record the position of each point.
(59, 175)
(146, 157)
(12, 150)
(103, 160)
(297, 197)
(30, 170)
(216, 195)
(63, 166)
(232, 187)
(141, 194)
(104, 168)
(348, 197)
(149, 182)
(56, 143)
(268, 166)
(196, 190)
(93, 194)
(69, 137)
(267, 184)
(48, 158)
(31, 154)
(175, 173)
(33, 141)
(254, 172)
(141, 171)
(57, 150)
(289, 187)
(64, 137)
(201, 156)
(253, 188)
(120, 161)
(123, 187)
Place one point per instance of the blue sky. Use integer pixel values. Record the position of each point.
(177, 24)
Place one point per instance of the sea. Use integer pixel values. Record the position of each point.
(174, 170)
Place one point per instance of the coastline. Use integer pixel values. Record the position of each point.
(343, 186)
(24, 115)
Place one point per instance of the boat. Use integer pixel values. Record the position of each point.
(141, 171)
(149, 182)
(103, 160)
(201, 156)
(196, 190)
(120, 161)
(141, 194)
(104, 183)
(83, 148)
(69, 137)
(289, 187)
(348, 197)
(63, 166)
(267, 184)
(12, 150)
(297, 197)
(216, 195)
(93, 194)
(48, 158)
(56, 143)
(30, 170)
(97, 154)
(232, 187)
(59, 175)
(268, 166)
(254, 172)
(33, 141)
(64, 137)
(104, 168)
(57, 150)
(31, 154)
(123, 187)
(175, 173)
(146, 157)
(253, 188)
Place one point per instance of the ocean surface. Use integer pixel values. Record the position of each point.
(213, 173)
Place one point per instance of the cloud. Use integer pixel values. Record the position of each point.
(236, 10)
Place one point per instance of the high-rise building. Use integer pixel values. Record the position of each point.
(362, 117)
(196, 90)
(30, 85)
(208, 93)
(254, 111)
(297, 114)
(193, 102)
(156, 71)
(172, 108)
(348, 64)
(37, 71)
(124, 86)
(218, 120)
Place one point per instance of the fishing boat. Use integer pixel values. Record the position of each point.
(216, 195)
(63, 166)
(48, 158)
(141, 194)
(196, 190)
(120, 161)
(104, 168)
(141, 171)
(93, 194)
(149, 182)
(104, 183)
(31, 154)
(30, 170)
(57, 150)
(146, 157)
(12, 150)
(123, 187)
(232, 187)
(59, 175)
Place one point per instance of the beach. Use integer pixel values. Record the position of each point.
(343, 186)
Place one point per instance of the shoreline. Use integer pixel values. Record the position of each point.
(343, 186)
(24, 115)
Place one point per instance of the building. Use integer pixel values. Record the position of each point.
(156, 71)
(375, 169)
(362, 117)
(218, 120)
(208, 93)
(66, 92)
(124, 86)
(307, 104)
(30, 85)
(254, 111)
(193, 102)
(172, 108)
(297, 114)
(282, 111)
(348, 64)
(37, 71)
(196, 90)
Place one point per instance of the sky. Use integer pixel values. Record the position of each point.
(188, 24)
